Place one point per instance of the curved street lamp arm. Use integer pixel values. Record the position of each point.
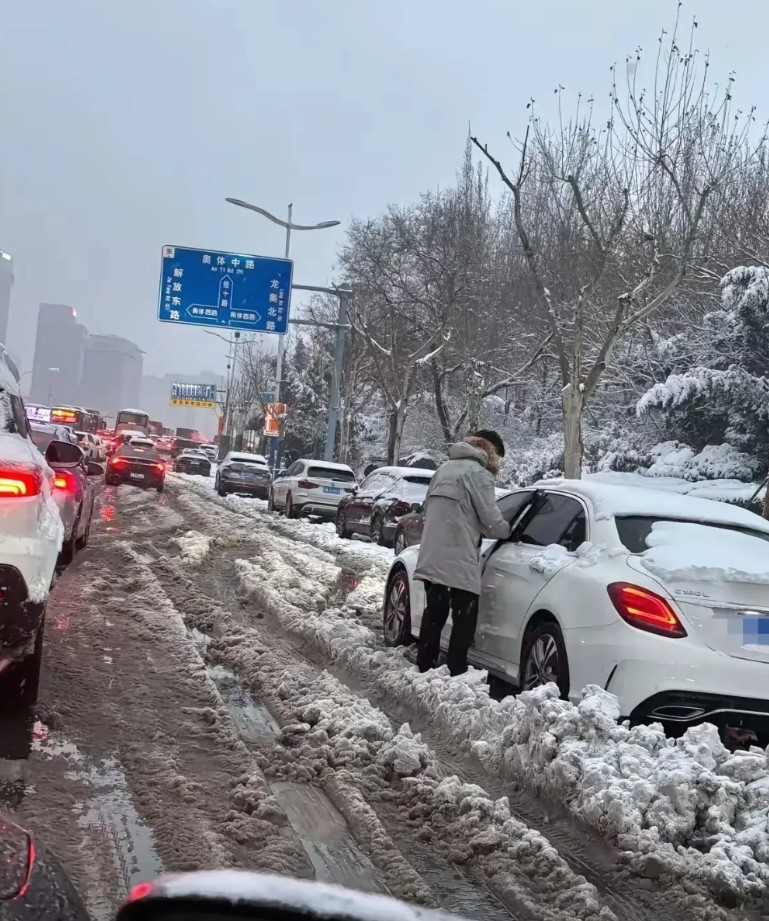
(278, 221)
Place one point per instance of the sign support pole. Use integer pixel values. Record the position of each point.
(275, 442)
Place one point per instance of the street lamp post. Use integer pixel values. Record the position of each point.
(289, 226)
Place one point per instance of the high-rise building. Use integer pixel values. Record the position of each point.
(112, 374)
(6, 283)
(58, 360)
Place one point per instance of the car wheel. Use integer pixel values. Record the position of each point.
(397, 611)
(219, 491)
(291, 512)
(400, 543)
(543, 658)
(341, 525)
(161, 487)
(270, 502)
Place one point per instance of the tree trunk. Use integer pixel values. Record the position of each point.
(440, 406)
(395, 434)
(573, 448)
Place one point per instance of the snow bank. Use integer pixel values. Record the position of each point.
(656, 797)
(681, 551)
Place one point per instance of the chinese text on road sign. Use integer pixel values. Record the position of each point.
(200, 395)
(203, 287)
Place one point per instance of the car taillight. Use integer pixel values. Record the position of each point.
(160, 467)
(400, 508)
(307, 484)
(15, 482)
(116, 461)
(643, 609)
(65, 481)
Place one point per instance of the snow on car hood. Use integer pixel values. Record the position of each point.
(322, 899)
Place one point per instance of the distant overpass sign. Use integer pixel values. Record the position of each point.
(206, 287)
(201, 396)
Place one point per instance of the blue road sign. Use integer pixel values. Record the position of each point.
(204, 287)
(193, 394)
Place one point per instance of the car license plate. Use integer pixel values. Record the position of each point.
(331, 490)
(137, 476)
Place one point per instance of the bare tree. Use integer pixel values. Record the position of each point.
(610, 217)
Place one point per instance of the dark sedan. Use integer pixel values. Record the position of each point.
(193, 462)
(382, 499)
(245, 474)
(137, 463)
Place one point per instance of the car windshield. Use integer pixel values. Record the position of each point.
(634, 530)
(327, 473)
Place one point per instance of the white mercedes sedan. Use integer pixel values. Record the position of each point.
(662, 599)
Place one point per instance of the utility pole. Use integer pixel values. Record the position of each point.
(275, 442)
(335, 396)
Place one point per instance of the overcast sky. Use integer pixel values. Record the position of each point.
(124, 124)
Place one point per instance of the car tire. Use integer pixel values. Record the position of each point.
(396, 616)
(377, 534)
(270, 501)
(161, 487)
(219, 491)
(399, 541)
(341, 525)
(291, 511)
(544, 659)
(108, 481)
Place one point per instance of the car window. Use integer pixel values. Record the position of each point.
(555, 521)
(370, 482)
(324, 473)
(294, 469)
(413, 489)
(634, 529)
(16, 421)
(511, 506)
(41, 440)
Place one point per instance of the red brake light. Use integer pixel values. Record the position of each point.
(161, 467)
(643, 609)
(64, 481)
(140, 891)
(17, 482)
(400, 508)
(307, 484)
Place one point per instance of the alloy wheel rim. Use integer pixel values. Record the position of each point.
(542, 663)
(395, 612)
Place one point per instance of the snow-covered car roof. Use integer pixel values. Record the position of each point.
(325, 465)
(324, 900)
(142, 443)
(192, 451)
(405, 471)
(242, 456)
(609, 500)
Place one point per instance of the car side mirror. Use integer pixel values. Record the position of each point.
(63, 452)
(95, 469)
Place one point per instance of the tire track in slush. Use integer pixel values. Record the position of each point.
(630, 897)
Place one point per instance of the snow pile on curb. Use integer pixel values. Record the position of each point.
(700, 810)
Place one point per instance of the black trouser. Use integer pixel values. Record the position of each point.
(464, 614)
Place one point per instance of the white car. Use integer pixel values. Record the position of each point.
(661, 599)
(31, 534)
(311, 487)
